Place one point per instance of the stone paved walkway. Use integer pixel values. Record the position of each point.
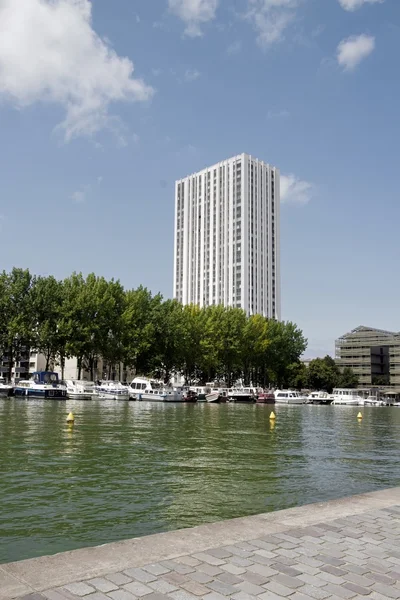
(354, 556)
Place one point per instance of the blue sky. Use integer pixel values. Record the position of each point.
(90, 148)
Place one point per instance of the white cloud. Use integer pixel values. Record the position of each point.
(49, 52)
(295, 191)
(352, 5)
(354, 49)
(191, 75)
(271, 18)
(194, 13)
(79, 197)
(278, 114)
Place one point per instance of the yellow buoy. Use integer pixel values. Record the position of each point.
(272, 416)
(359, 416)
(71, 418)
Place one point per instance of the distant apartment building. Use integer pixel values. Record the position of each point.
(26, 363)
(226, 248)
(373, 354)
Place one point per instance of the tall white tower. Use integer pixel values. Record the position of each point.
(227, 237)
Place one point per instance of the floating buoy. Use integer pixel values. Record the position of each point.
(359, 416)
(272, 416)
(71, 418)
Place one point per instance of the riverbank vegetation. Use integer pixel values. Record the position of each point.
(91, 317)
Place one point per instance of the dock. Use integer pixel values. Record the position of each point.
(344, 549)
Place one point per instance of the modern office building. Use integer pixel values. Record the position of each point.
(373, 354)
(227, 237)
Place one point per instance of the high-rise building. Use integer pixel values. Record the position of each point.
(227, 237)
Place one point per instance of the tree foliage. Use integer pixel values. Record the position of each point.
(90, 317)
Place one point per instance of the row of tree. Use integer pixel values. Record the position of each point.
(321, 374)
(91, 317)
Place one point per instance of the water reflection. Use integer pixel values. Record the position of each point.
(127, 469)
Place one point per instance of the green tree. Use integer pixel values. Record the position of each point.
(46, 302)
(323, 374)
(16, 331)
(287, 344)
(348, 379)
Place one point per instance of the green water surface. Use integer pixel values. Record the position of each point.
(128, 469)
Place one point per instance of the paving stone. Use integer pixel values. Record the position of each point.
(219, 553)
(59, 594)
(266, 553)
(140, 575)
(156, 569)
(243, 596)
(359, 569)
(101, 584)
(315, 592)
(98, 596)
(386, 590)
(285, 569)
(232, 579)
(246, 546)
(262, 570)
(188, 561)
(176, 578)
(340, 591)
(193, 587)
(208, 558)
(288, 581)
(34, 596)
(268, 596)
(381, 578)
(138, 589)
(358, 589)
(379, 566)
(359, 579)
(209, 569)
(238, 551)
(157, 596)
(121, 595)
(393, 574)
(313, 580)
(201, 577)
(182, 595)
(234, 568)
(243, 562)
(255, 578)
(250, 588)
(179, 567)
(306, 569)
(79, 589)
(213, 596)
(222, 588)
(299, 596)
(162, 586)
(118, 578)
(331, 578)
(333, 570)
(277, 588)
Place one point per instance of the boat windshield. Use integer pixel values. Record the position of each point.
(155, 385)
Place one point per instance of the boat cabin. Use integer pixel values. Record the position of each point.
(45, 377)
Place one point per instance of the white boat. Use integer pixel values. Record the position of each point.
(242, 394)
(347, 397)
(112, 390)
(201, 392)
(6, 389)
(319, 398)
(374, 401)
(151, 390)
(217, 395)
(79, 390)
(289, 397)
(43, 384)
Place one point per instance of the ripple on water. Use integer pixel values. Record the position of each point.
(131, 469)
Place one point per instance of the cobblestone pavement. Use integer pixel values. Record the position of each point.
(343, 559)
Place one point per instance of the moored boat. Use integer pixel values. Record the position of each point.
(43, 384)
(347, 397)
(151, 390)
(201, 392)
(289, 397)
(112, 390)
(266, 398)
(217, 395)
(319, 398)
(79, 390)
(247, 395)
(6, 389)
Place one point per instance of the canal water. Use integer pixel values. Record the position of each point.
(131, 469)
